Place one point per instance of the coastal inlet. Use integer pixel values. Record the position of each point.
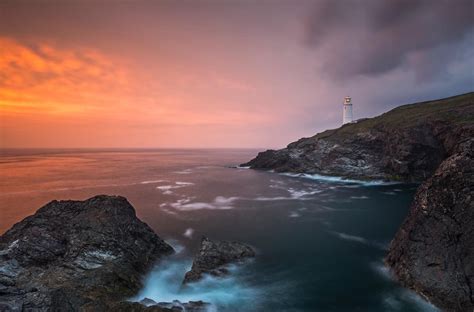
(319, 242)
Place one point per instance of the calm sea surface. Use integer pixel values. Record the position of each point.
(320, 242)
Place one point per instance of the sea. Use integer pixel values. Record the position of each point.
(320, 241)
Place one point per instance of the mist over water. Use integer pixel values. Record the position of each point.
(320, 240)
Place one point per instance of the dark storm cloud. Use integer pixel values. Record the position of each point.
(369, 37)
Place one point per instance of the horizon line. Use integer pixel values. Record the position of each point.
(117, 148)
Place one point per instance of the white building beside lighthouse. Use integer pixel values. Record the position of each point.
(347, 111)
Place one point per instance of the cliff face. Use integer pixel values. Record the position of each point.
(405, 144)
(433, 251)
(76, 256)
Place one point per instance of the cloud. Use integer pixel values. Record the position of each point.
(371, 38)
(40, 78)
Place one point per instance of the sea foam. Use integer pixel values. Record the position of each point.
(220, 202)
(335, 179)
(164, 284)
(360, 239)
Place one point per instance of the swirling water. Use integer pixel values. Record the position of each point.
(320, 241)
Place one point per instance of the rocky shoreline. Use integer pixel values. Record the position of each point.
(91, 256)
(406, 144)
(431, 143)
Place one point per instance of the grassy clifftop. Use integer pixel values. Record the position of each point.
(455, 110)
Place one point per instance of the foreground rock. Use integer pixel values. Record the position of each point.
(77, 256)
(213, 256)
(433, 252)
(406, 144)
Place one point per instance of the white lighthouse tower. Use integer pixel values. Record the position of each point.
(347, 112)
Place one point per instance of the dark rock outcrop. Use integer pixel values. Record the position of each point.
(407, 143)
(213, 256)
(433, 252)
(77, 256)
(149, 305)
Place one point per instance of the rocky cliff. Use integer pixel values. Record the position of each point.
(407, 143)
(433, 251)
(77, 256)
(430, 142)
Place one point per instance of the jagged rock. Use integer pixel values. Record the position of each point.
(149, 305)
(76, 255)
(433, 252)
(213, 256)
(406, 144)
(148, 302)
(191, 306)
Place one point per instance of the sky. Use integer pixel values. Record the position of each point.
(210, 73)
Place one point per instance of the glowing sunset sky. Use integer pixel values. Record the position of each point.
(219, 73)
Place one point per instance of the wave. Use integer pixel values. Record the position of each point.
(164, 284)
(359, 197)
(296, 194)
(168, 211)
(166, 189)
(335, 179)
(152, 181)
(183, 183)
(177, 246)
(188, 233)
(353, 238)
(220, 202)
(396, 299)
(294, 214)
(264, 198)
(184, 171)
(359, 239)
(84, 187)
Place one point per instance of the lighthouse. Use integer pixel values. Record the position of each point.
(347, 112)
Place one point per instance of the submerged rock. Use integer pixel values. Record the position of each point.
(213, 256)
(150, 305)
(76, 255)
(433, 252)
(191, 306)
(148, 302)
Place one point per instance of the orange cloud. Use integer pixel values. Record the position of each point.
(44, 79)
(83, 97)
